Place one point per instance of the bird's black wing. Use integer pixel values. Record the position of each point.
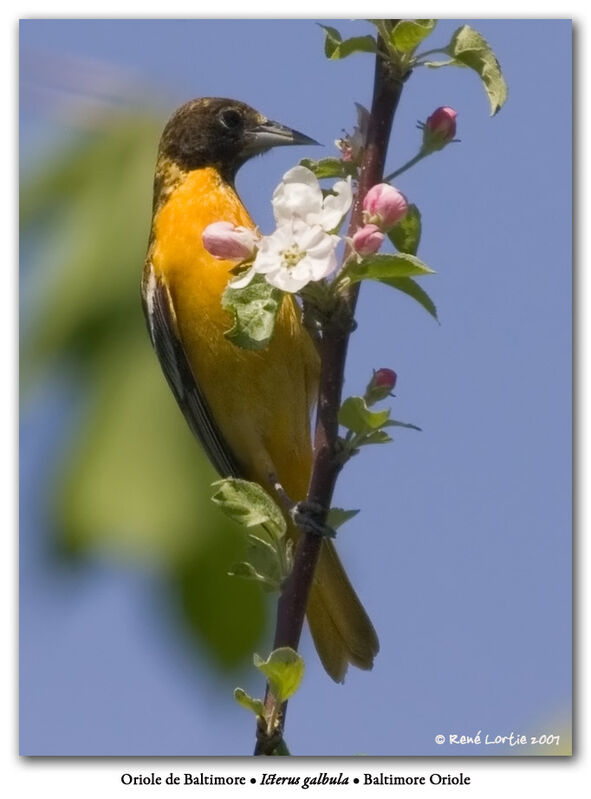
(163, 331)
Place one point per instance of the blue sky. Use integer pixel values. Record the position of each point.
(462, 550)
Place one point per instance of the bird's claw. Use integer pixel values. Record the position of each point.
(307, 516)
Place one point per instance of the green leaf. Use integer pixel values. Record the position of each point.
(437, 64)
(335, 47)
(382, 267)
(224, 614)
(123, 489)
(247, 571)
(406, 235)
(284, 669)
(328, 167)
(259, 543)
(356, 416)
(395, 423)
(255, 309)
(408, 286)
(377, 437)
(356, 44)
(332, 41)
(248, 504)
(338, 516)
(265, 556)
(256, 706)
(470, 49)
(75, 304)
(409, 33)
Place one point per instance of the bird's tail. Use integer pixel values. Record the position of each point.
(340, 627)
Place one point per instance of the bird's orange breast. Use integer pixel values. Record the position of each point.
(261, 401)
(178, 254)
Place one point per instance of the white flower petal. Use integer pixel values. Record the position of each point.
(324, 247)
(266, 262)
(336, 205)
(319, 268)
(301, 248)
(243, 280)
(268, 256)
(301, 174)
(307, 236)
(289, 280)
(298, 195)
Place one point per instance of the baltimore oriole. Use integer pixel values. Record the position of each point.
(250, 410)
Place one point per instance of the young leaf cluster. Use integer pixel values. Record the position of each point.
(269, 557)
(401, 38)
(283, 670)
(365, 426)
(255, 308)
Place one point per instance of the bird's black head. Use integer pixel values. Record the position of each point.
(222, 133)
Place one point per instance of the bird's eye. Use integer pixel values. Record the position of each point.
(231, 119)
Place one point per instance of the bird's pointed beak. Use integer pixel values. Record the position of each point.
(269, 134)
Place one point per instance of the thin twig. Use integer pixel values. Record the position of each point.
(291, 607)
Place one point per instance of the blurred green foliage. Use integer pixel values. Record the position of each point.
(132, 482)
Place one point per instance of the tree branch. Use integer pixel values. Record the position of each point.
(291, 608)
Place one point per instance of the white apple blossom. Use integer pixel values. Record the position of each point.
(302, 248)
(292, 256)
(299, 196)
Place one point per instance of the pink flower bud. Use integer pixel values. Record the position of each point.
(380, 386)
(228, 242)
(368, 239)
(440, 128)
(385, 378)
(384, 206)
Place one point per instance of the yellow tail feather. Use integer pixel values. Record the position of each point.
(340, 627)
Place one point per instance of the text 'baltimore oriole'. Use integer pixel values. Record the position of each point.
(250, 410)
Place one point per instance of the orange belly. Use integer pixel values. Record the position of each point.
(262, 400)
